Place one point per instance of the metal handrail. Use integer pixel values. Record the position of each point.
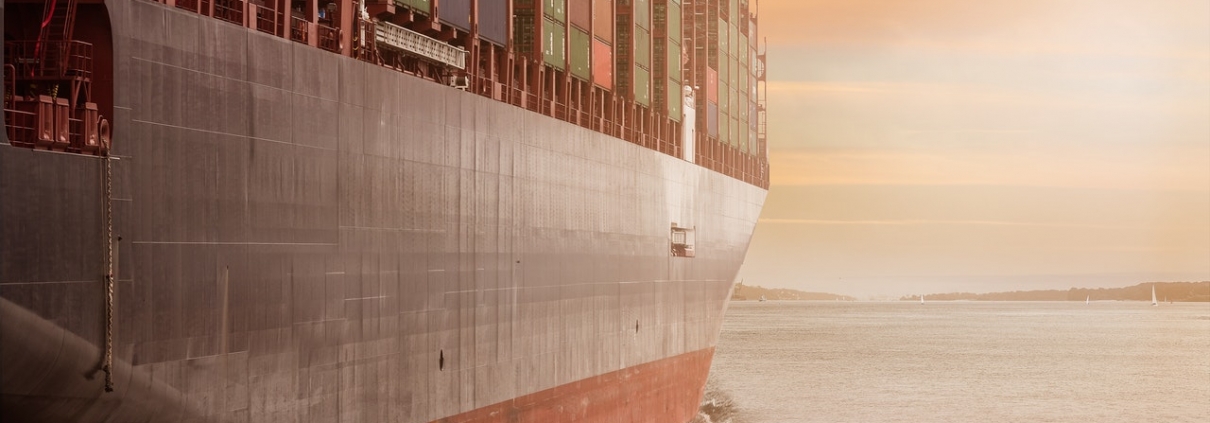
(60, 58)
(329, 37)
(229, 10)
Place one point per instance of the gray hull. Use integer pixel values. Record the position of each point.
(306, 237)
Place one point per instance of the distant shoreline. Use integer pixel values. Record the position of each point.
(1175, 292)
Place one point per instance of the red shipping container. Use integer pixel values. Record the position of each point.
(602, 19)
(602, 64)
(581, 13)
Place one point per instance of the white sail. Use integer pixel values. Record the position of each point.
(1086, 299)
(1153, 296)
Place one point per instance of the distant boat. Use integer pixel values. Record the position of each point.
(1086, 299)
(921, 299)
(1153, 302)
(762, 298)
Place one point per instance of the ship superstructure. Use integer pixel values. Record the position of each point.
(410, 210)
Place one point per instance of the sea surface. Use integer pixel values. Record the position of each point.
(961, 362)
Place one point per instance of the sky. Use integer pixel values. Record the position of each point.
(934, 146)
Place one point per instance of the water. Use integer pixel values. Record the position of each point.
(961, 362)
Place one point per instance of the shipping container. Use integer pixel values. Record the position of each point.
(674, 21)
(675, 100)
(493, 21)
(744, 140)
(712, 119)
(642, 13)
(673, 57)
(724, 69)
(734, 73)
(742, 106)
(555, 9)
(734, 130)
(733, 32)
(724, 98)
(422, 6)
(744, 50)
(724, 128)
(581, 53)
(602, 64)
(642, 47)
(456, 13)
(642, 86)
(581, 13)
(554, 37)
(602, 20)
(724, 39)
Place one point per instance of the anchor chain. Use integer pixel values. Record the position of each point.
(107, 359)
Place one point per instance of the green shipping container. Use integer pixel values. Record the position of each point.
(674, 61)
(556, 9)
(723, 64)
(554, 37)
(724, 128)
(723, 38)
(733, 32)
(642, 13)
(642, 47)
(581, 52)
(743, 50)
(743, 135)
(425, 6)
(724, 98)
(734, 127)
(642, 86)
(674, 22)
(734, 73)
(742, 106)
(674, 100)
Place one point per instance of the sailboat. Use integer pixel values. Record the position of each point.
(922, 299)
(1086, 299)
(1153, 302)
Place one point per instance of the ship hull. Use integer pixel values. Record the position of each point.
(307, 237)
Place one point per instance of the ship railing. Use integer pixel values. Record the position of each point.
(365, 47)
(195, 6)
(266, 18)
(10, 84)
(329, 37)
(299, 29)
(400, 38)
(20, 126)
(49, 59)
(229, 10)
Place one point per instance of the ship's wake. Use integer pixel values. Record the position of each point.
(717, 406)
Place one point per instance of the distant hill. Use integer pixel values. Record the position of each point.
(1172, 291)
(752, 292)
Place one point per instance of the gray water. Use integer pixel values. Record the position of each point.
(961, 362)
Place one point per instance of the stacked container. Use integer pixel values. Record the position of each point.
(667, 57)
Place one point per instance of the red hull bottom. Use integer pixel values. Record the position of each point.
(664, 391)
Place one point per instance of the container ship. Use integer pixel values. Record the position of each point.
(373, 210)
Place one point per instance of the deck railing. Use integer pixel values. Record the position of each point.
(229, 10)
(329, 37)
(56, 59)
